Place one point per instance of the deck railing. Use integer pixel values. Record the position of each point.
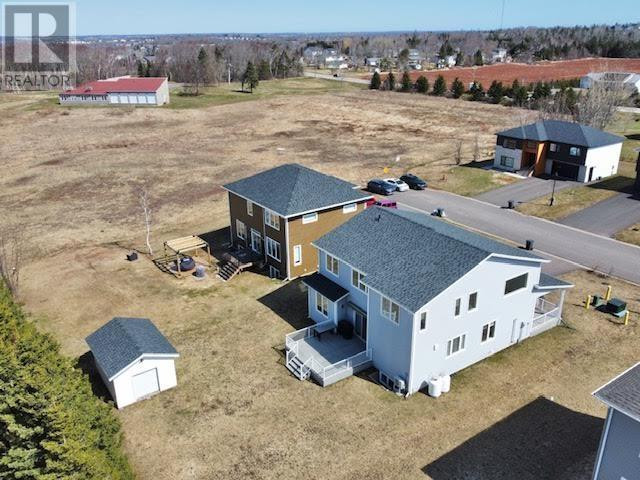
(351, 362)
(544, 312)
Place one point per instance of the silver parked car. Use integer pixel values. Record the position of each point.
(399, 184)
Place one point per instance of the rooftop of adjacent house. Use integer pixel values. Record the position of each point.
(549, 281)
(396, 249)
(292, 189)
(118, 85)
(563, 132)
(121, 341)
(623, 393)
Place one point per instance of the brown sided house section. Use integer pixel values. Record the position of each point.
(302, 203)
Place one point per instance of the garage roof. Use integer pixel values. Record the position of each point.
(122, 341)
(118, 85)
(569, 133)
(623, 393)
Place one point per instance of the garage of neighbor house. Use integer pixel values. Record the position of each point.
(134, 360)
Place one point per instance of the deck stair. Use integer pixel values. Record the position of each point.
(299, 370)
(229, 270)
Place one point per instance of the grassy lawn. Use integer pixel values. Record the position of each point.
(630, 235)
(232, 93)
(470, 181)
(575, 199)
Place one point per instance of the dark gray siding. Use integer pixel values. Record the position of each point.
(621, 449)
(562, 154)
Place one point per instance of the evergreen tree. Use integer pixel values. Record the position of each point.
(375, 81)
(476, 91)
(519, 93)
(439, 86)
(405, 83)
(422, 84)
(459, 59)
(250, 77)
(496, 91)
(457, 88)
(264, 72)
(391, 81)
(478, 59)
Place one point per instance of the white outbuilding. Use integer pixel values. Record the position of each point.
(130, 91)
(133, 358)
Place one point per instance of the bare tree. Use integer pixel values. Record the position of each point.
(476, 149)
(11, 247)
(143, 196)
(457, 155)
(597, 107)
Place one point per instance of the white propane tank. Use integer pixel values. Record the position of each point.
(435, 387)
(446, 383)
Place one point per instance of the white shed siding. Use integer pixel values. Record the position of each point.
(122, 387)
(604, 161)
(507, 152)
(488, 279)
(162, 94)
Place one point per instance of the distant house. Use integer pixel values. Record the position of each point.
(499, 55)
(277, 213)
(628, 81)
(619, 453)
(448, 61)
(139, 91)
(133, 358)
(424, 299)
(554, 147)
(415, 59)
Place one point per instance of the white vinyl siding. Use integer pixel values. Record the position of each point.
(310, 218)
(297, 254)
(389, 310)
(352, 207)
(241, 230)
(273, 248)
(333, 265)
(272, 219)
(456, 345)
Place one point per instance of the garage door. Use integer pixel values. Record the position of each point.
(145, 383)
(566, 170)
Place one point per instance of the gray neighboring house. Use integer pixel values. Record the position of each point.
(133, 358)
(424, 298)
(619, 453)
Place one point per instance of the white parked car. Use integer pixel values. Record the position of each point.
(399, 184)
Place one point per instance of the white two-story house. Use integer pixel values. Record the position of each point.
(423, 298)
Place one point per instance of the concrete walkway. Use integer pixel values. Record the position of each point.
(563, 244)
(524, 191)
(607, 217)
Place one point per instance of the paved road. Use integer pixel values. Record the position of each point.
(553, 240)
(613, 214)
(524, 191)
(325, 76)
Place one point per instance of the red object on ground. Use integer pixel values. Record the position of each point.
(119, 85)
(386, 203)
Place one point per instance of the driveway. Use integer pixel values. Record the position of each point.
(563, 244)
(607, 217)
(324, 76)
(524, 191)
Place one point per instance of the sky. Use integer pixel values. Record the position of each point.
(100, 17)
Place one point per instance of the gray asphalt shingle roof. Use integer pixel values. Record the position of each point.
(549, 281)
(563, 132)
(291, 189)
(326, 287)
(623, 393)
(410, 257)
(123, 340)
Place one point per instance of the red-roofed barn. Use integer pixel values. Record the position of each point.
(152, 91)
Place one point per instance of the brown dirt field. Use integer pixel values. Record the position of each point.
(539, 71)
(69, 179)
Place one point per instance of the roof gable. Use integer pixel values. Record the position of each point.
(623, 393)
(410, 257)
(292, 189)
(570, 133)
(121, 341)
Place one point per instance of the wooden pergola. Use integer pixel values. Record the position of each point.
(182, 246)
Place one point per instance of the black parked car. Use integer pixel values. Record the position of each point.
(381, 187)
(414, 182)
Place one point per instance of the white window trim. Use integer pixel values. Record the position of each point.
(389, 315)
(463, 341)
(310, 218)
(519, 289)
(360, 277)
(323, 300)
(469, 309)
(270, 241)
(297, 261)
(553, 147)
(243, 229)
(250, 208)
(350, 208)
(489, 338)
(326, 261)
(271, 216)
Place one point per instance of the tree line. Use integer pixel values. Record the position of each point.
(51, 424)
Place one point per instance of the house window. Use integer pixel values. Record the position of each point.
(488, 331)
(458, 305)
(273, 272)
(272, 219)
(297, 254)
(456, 345)
(389, 310)
(332, 265)
(574, 151)
(423, 321)
(356, 280)
(310, 217)
(352, 207)
(553, 147)
(516, 283)
(322, 304)
(506, 161)
(241, 230)
(386, 380)
(473, 301)
(510, 144)
(250, 208)
(273, 248)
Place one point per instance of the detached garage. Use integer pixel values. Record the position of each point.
(133, 358)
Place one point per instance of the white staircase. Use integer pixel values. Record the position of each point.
(297, 367)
